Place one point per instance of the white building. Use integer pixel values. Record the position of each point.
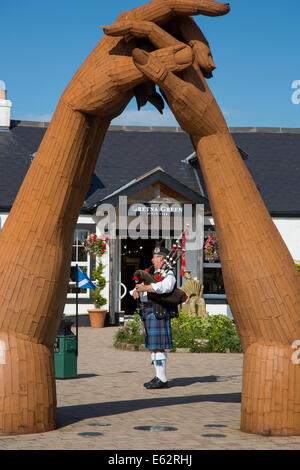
(155, 167)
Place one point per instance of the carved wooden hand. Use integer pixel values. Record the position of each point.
(105, 82)
(261, 280)
(36, 240)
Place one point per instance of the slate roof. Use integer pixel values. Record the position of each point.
(128, 155)
(274, 163)
(273, 160)
(16, 149)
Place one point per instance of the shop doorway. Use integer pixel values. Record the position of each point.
(135, 254)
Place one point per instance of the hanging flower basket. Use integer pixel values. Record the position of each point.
(96, 245)
(211, 249)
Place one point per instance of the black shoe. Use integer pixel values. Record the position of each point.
(146, 384)
(158, 384)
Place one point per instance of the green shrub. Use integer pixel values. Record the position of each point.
(212, 333)
(99, 300)
(130, 333)
(219, 331)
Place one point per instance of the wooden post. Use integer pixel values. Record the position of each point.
(112, 281)
(200, 213)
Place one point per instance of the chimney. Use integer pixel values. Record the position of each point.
(5, 107)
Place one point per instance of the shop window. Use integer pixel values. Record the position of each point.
(213, 281)
(81, 258)
(212, 270)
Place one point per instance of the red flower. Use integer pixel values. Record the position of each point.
(158, 276)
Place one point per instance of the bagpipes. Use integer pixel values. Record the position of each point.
(177, 296)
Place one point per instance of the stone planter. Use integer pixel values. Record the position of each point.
(97, 317)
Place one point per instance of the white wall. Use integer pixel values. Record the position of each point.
(70, 309)
(87, 219)
(208, 220)
(289, 229)
(5, 109)
(219, 309)
(3, 217)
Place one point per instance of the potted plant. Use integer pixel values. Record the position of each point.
(96, 246)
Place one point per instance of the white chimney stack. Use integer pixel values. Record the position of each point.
(5, 107)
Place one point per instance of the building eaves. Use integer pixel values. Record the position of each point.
(127, 152)
(167, 129)
(141, 183)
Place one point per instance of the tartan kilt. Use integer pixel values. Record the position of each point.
(159, 334)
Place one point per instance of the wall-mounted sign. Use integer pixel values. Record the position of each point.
(168, 210)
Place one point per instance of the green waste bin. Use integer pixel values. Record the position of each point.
(65, 352)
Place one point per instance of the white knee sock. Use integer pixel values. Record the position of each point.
(161, 366)
(153, 361)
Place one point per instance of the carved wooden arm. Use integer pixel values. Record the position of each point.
(36, 240)
(261, 281)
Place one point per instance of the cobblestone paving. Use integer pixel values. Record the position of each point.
(108, 398)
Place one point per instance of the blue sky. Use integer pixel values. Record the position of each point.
(255, 48)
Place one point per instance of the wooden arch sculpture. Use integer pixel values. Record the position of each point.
(261, 281)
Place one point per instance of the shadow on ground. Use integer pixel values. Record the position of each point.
(67, 415)
(185, 381)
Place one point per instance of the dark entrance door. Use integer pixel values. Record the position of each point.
(135, 254)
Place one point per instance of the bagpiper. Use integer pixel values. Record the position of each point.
(156, 317)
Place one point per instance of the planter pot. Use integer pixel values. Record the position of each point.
(97, 317)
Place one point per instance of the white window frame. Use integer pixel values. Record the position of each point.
(80, 264)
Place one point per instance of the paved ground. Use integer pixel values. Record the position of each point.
(108, 397)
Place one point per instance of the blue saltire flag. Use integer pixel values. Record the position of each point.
(83, 281)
